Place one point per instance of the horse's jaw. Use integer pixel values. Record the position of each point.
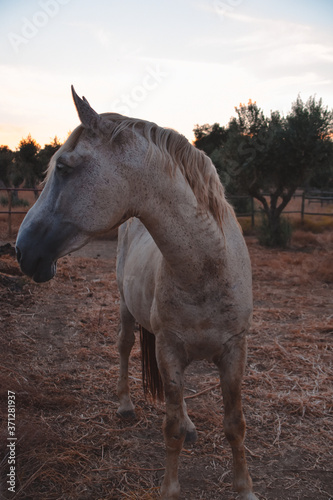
(39, 246)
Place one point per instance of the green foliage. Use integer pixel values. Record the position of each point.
(6, 161)
(45, 154)
(278, 236)
(241, 204)
(16, 202)
(308, 141)
(270, 157)
(27, 165)
(209, 137)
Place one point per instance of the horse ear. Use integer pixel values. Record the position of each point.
(88, 116)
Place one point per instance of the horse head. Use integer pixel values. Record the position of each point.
(88, 191)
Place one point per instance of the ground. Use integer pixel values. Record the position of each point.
(58, 355)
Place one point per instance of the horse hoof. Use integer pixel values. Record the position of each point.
(191, 436)
(126, 414)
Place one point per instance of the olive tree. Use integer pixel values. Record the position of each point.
(270, 157)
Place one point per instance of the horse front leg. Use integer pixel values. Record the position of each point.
(175, 423)
(231, 368)
(126, 341)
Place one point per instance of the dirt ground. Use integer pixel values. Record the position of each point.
(58, 356)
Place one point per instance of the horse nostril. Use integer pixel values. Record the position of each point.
(18, 254)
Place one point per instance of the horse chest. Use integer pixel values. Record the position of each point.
(195, 308)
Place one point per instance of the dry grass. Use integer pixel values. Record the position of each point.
(59, 355)
(315, 224)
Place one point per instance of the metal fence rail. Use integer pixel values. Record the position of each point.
(11, 192)
(325, 198)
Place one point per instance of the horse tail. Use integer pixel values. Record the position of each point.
(151, 377)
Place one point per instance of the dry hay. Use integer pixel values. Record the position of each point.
(59, 355)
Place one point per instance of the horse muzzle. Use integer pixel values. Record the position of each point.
(38, 247)
(35, 261)
(34, 265)
(40, 243)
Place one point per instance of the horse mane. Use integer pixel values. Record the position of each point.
(174, 151)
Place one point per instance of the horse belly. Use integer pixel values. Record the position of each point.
(203, 321)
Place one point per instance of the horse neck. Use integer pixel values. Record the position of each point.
(189, 241)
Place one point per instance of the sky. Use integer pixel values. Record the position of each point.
(177, 63)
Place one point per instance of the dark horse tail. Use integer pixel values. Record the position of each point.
(151, 378)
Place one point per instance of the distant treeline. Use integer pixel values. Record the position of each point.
(26, 166)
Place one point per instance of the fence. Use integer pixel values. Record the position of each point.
(322, 197)
(12, 202)
(245, 206)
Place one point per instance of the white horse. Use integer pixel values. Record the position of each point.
(183, 268)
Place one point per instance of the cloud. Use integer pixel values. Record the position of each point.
(214, 60)
(267, 47)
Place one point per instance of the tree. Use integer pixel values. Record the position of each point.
(6, 162)
(309, 144)
(269, 158)
(27, 165)
(45, 154)
(28, 168)
(209, 137)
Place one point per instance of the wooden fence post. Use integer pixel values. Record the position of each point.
(252, 212)
(302, 209)
(10, 199)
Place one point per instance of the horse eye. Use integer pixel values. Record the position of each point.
(63, 169)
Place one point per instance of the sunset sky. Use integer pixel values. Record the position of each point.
(178, 62)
